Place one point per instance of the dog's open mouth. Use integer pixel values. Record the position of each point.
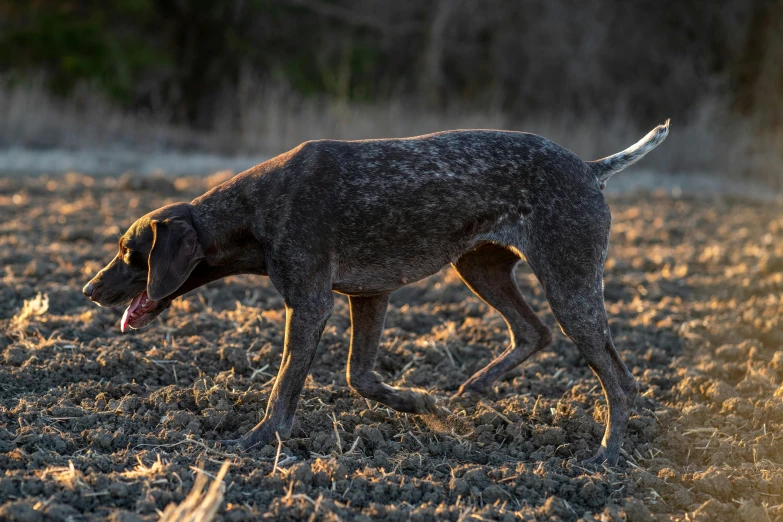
(139, 312)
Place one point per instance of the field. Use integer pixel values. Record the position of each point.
(97, 425)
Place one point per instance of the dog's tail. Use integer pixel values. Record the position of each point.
(607, 167)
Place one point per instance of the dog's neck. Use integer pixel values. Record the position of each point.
(230, 238)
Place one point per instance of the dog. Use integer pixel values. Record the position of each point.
(363, 218)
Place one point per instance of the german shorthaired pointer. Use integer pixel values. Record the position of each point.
(363, 218)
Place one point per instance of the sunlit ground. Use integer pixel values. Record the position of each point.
(693, 288)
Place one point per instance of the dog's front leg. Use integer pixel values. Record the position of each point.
(305, 321)
(367, 318)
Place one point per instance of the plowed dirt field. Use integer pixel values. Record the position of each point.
(97, 425)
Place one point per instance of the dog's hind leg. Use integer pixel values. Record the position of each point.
(580, 312)
(367, 317)
(568, 259)
(489, 273)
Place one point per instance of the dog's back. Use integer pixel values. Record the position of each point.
(463, 178)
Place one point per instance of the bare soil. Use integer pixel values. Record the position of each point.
(97, 425)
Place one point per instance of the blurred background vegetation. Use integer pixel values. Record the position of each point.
(241, 76)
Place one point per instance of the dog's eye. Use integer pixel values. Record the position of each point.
(132, 257)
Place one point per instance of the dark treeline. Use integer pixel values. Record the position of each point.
(187, 58)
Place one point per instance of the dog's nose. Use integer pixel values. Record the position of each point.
(88, 288)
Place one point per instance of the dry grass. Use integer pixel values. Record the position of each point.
(273, 119)
(144, 471)
(35, 307)
(67, 476)
(204, 499)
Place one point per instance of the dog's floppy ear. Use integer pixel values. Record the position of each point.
(175, 253)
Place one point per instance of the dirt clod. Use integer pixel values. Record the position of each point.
(636, 511)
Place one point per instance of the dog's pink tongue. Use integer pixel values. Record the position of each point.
(128, 311)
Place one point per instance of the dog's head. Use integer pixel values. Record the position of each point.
(155, 257)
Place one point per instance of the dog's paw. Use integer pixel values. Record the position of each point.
(256, 438)
(471, 391)
(604, 457)
(422, 402)
(244, 443)
(230, 443)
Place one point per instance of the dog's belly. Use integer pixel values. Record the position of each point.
(386, 274)
(366, 284)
